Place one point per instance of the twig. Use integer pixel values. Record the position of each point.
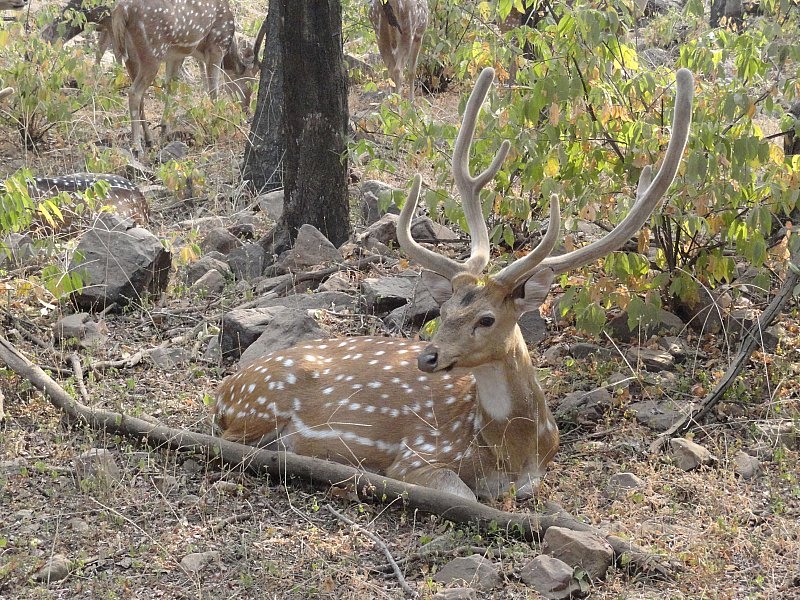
(223, 523)
(136, 358)
(751, 339)
(77, 369)
(380, 544)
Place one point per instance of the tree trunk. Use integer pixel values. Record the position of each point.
(316, 114)
(263, 155)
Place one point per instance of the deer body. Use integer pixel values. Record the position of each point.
(471, 418)
(149, 32)
(122, 198)
(12, 4)
(399, 27)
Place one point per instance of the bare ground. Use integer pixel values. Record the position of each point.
(126, 538)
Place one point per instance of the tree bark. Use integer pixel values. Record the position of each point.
(316, 113)
(264, 152)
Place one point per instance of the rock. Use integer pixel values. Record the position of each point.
(475, 570)
(284, 327)
(247, 262)
(421, 308)
(705, 313)
(551, 577)
(582, 350)
(219, 240)
(533, 327)
(272, 204)
(78, 525)
(376, 198)
(554, 355)
(80, 328)
(174, 150)
(206, 263)
(779, 433)
(665, 323)
(244, 231)
(384, 230)
(56, 569)
(384, 294)
(658, 415)
(456, 593)
(169, 359)
(211, 284)
(335, 301)
(338, 282)
(652, 360)
(688, 455)
(97, 464)
(311, 249)
(423, 229)
(195, 562)
(742, 321)
(16, 466)
(675, 346)
(624, 482)
(118, 264)
(584, 408)
(16, 249)
(288, 328)
(745, 466)
(579, 549)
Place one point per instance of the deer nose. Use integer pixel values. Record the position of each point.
(428, 359)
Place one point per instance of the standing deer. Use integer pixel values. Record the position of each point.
(148, 32)
(473, 419)
(399, 26)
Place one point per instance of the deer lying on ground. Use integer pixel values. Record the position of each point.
(12, 4)
(399, 26)
(473, 419)
(148, 32)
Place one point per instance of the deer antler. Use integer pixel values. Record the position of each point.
(469, 187)
(649, 192)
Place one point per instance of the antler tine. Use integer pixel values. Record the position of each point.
(519, 270)
(468, 186)
(648, 194)
(447, 267)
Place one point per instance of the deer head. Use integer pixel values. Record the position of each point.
(472, 419)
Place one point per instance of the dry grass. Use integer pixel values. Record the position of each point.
(734, 538)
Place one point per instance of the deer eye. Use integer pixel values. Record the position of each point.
(486, 321)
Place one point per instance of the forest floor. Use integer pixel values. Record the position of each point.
(126, 537)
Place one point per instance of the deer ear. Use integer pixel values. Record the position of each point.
(529, 295)
(439, 286)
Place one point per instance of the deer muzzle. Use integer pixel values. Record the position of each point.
(428, 360)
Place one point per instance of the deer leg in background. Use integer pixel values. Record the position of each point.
(411, 66)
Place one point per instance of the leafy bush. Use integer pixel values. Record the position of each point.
(593, 107)
(51, 85)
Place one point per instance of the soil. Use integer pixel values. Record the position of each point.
(125, 535)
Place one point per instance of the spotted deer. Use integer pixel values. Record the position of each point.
(465, 413)
(146, 33)
(399, 26)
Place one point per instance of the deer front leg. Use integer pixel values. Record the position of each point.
(433, 475)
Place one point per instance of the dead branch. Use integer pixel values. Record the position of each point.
(369, 487)
(751, 339)
(381, 544)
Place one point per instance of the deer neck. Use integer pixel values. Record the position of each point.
(507, 387)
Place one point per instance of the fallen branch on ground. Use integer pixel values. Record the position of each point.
(368, 487)
(750, 340)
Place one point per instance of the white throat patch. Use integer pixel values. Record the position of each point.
(494, 393)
